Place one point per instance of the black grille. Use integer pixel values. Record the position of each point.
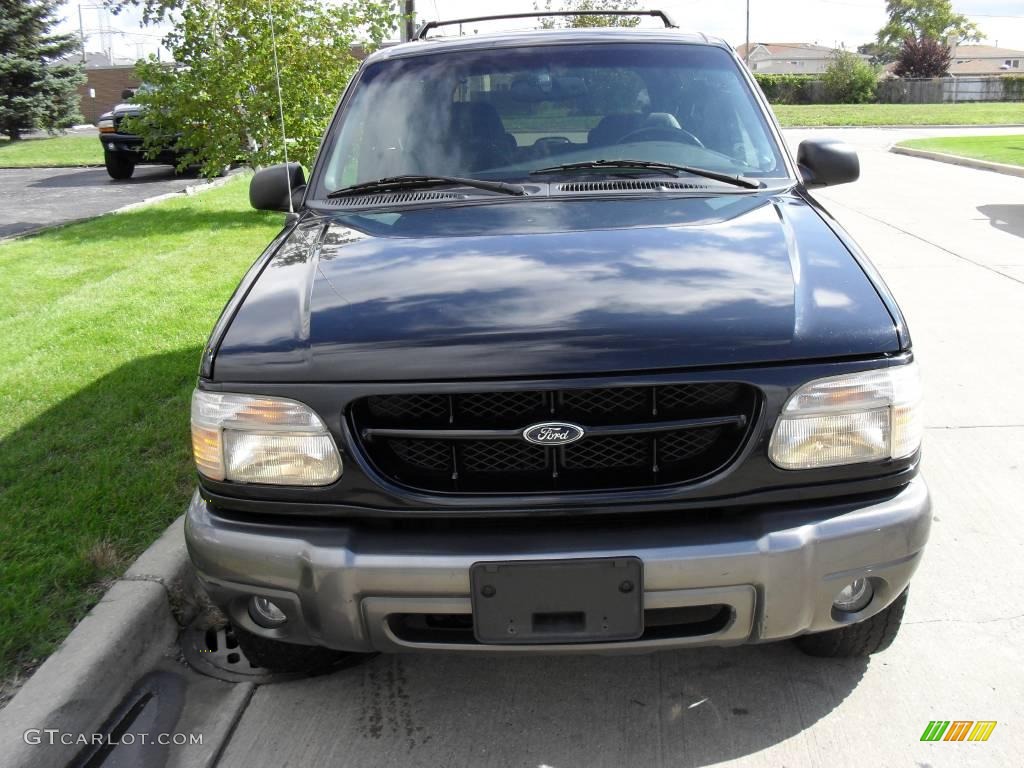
(608, 452)
(637, 436)
(501, 456)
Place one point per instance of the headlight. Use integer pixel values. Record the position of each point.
(867, 416)
(270, 440)
(105, 126)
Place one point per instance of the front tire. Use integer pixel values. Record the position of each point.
(119, 166)
(858, 640)
(279, 656)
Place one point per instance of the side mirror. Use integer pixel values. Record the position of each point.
(271, 187)
(827, 162)
(127, 93)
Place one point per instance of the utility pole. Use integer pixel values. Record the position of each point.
(81, 32)
(746, 51)
(409, 20)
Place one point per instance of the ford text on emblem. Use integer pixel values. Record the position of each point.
(552, 433)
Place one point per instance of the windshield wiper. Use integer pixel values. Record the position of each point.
(389, 183)
(650, 165)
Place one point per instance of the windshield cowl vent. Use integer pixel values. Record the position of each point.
(393, 198)
(619, 185)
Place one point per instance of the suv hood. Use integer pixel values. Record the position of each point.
(554, 287)
(126, 109)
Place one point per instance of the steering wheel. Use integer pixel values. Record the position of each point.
(544, 140)
(660, 133)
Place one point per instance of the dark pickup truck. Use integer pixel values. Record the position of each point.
(557, 353)
(122, 149)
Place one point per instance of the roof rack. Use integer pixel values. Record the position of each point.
(430, 25)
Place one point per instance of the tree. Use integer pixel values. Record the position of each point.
(36, 91)
(878, 54)
(922, 57)
(153, 11)
(588, 20)
(220, 99)
(918, 19)
(849, 79)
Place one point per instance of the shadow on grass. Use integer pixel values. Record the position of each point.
(160, 225)
(84, 488)
(1008, 218)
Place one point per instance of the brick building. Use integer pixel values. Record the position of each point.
(102, 89)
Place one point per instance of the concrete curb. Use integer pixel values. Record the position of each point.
(190, 190)
(133, 627)
(967, 162)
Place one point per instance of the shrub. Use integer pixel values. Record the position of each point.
(922, 57)
(849, 79)
(221, 100)
(1013, 87)
(786, 89)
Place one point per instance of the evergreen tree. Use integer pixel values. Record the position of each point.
(36, 90)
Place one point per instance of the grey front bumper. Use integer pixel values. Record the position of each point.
(778, 569)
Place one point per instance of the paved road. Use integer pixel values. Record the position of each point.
(35, 197)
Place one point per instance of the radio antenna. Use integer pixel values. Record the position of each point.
(280, 105)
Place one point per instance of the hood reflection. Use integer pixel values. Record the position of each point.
(553, 288)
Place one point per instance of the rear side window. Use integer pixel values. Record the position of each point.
(500, 113)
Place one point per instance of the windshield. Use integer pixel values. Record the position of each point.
(498, 114)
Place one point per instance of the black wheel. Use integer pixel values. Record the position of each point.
(857, 640)
(279, 656)
(119, 166)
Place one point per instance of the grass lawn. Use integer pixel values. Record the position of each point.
(101, 326)
(995, 113)
(995, 149)
(54, 151)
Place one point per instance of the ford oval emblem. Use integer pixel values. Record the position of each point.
(553, 433)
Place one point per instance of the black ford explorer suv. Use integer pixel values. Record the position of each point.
(557, 354)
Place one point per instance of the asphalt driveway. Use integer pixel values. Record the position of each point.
(31, 198)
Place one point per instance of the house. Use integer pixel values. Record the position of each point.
(789, 58)
(986, 60)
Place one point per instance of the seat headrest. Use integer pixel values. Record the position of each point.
(476, 119)
(611, 128)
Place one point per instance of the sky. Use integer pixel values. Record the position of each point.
(826, 22)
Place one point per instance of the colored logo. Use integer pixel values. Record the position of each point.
(552, 433)
(958, 730)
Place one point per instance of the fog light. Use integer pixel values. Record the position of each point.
(266, 613)
(854, 596)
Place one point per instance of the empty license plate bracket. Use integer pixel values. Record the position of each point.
(558, 601)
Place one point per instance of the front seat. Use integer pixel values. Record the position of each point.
(707, 113)
(477, 138)
(612, 128)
